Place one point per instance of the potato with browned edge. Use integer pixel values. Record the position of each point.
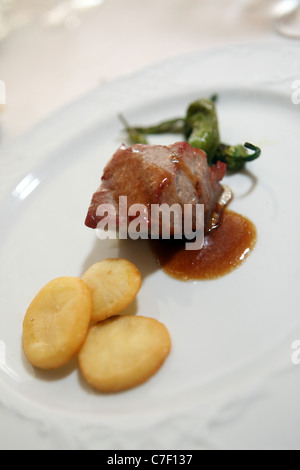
(56, 323)
(123, 352)
(114, 284)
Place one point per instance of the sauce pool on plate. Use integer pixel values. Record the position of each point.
(225, 249)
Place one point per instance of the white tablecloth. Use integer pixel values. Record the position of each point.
(53, 51)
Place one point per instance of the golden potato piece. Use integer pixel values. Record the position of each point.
(56, 323)
(114, 284)
(123, 352)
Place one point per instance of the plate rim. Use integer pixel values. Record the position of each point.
(36, 415)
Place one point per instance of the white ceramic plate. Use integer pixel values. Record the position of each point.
(229, 381)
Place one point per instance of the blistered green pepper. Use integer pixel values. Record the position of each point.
(173, 126)
(135, 135)
(202, 127)
(236, 156)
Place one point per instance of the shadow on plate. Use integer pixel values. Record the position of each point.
(51, 375)
(253, 180)
(137, 251)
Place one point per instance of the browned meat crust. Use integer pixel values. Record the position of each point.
(156, 174)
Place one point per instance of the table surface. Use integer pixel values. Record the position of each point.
(52, 52)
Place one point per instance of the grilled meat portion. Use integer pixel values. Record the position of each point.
(157, 174)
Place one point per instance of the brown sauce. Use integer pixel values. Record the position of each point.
(225, 249)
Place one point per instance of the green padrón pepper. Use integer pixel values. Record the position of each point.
(200, 128)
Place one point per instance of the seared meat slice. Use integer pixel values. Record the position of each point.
(156, 174)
